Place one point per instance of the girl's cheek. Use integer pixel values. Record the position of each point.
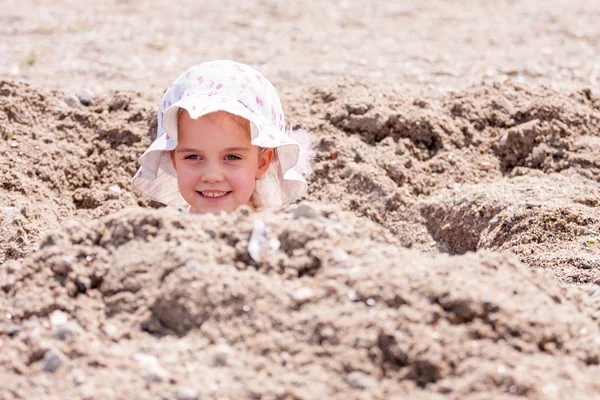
(187, 174)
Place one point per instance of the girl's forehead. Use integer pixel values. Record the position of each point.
(220, 129)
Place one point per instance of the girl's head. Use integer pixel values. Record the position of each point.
(222, 143)
(216, 164)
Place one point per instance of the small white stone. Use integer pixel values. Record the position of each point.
(302, 295)
(66, 330)
(550, 389)
(63, 265)
(274, 244)
(339, 255)
(186, 393)
(305, 211)
(503, 140)
(110, 330)
(58, 318)
(154, 372)
(221, 354)
(257, 239)
(114, 192)
(88, 391)
(86, 97)
(79, 377)
(361, 380)
(72, 101)
(11, 213)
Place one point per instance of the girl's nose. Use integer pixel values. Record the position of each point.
(212, 173)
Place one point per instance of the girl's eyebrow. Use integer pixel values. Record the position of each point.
(227, 150)
(236, 149)
(186, 150)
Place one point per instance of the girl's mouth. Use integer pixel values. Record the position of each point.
(213, 195)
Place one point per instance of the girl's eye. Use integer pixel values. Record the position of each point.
(191, 157)
(232, 157)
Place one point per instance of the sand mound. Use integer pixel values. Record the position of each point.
(60, 162)
(101, 301)
(149, 302)
(549, 220)
(387, 152)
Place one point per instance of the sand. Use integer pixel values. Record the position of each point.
(448, 247)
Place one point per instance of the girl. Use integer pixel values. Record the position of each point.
(221, 143)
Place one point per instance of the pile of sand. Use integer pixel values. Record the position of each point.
(104, 295)
(148, 304)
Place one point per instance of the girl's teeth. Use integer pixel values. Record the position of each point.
(214, 194)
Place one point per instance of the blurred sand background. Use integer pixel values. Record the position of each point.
(108, 45)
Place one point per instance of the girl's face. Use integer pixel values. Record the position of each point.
(216, 165)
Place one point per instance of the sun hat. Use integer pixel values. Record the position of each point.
(238, 89)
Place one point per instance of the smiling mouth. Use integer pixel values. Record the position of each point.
(213, 195)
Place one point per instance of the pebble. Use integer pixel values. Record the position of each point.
(110, 330)
(79, 377)
(353, 295)
(70, 329)
(88, 391)
(339, 255)
(86, 97)
(11, 213)
(503, 140)
(361, 380)
(10, 329)
(346, 172)
(72, 101)
(186, 393)
(53, 360)
(154, 372)
(58, 317)
(258, 239)
(274, 244)
(305, 211)
(532, 204)
(303, 295)
(63, 265)
(114, 192)
(222, 354)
